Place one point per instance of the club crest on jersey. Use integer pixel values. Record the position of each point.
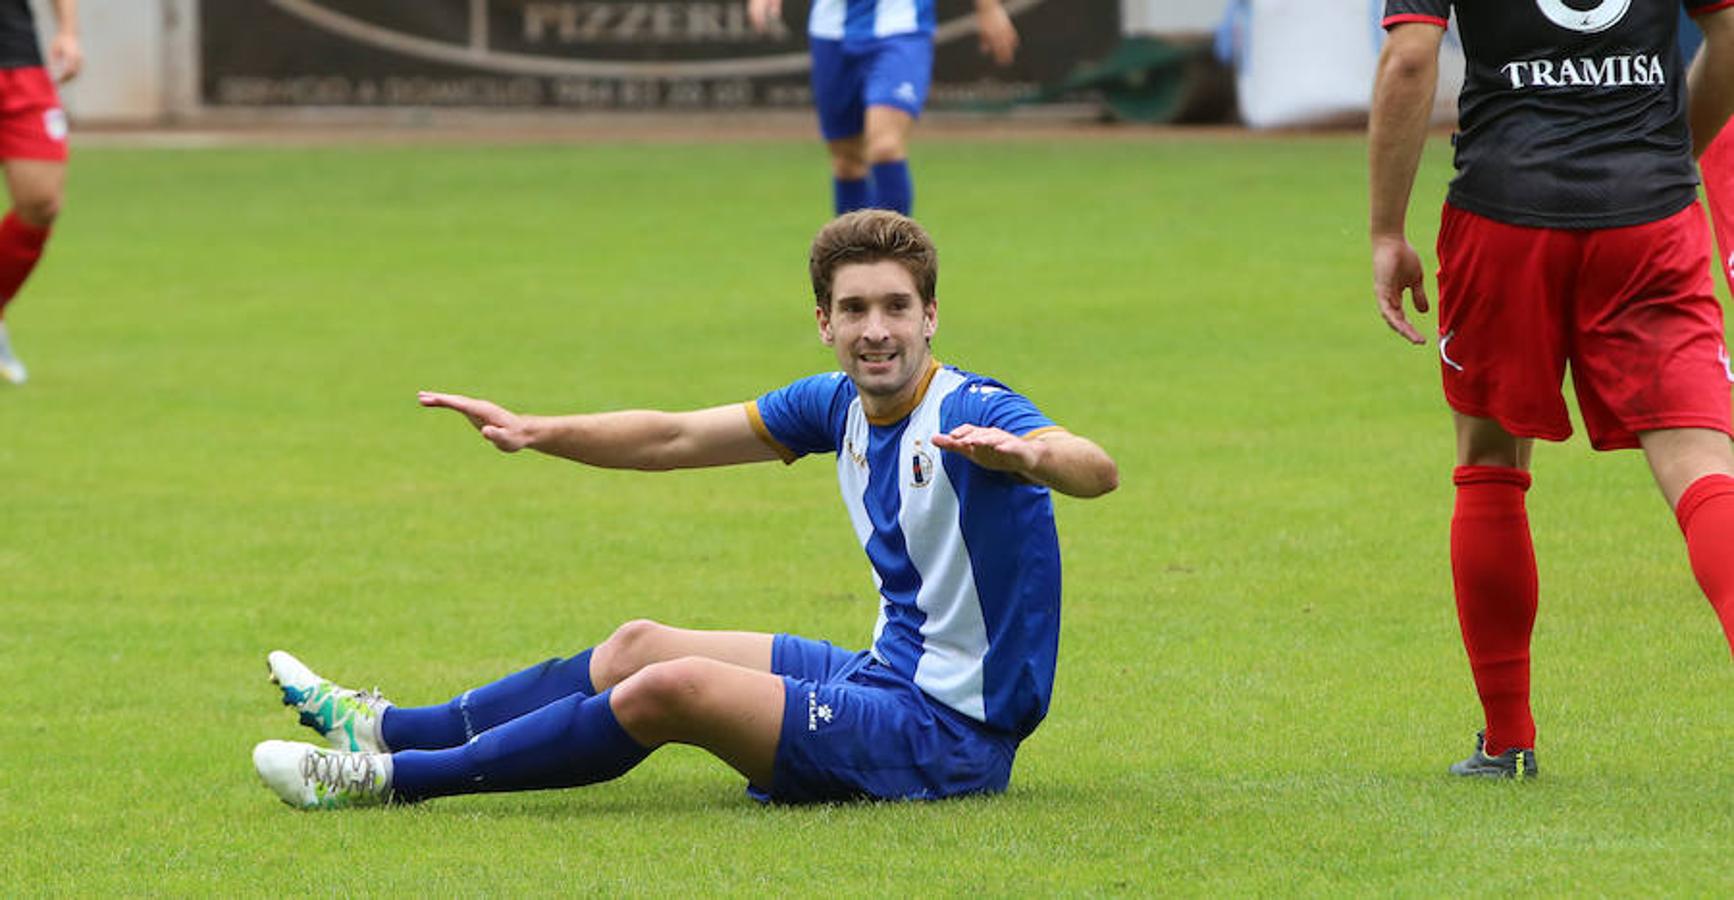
(920, 467)
(1601, 17)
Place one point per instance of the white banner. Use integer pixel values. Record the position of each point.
(1311, 62)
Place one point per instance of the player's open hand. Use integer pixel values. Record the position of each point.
(992, 448)
(1396, 269)
(999, 38)
(761, 13)
(502, 427)
(65, 57)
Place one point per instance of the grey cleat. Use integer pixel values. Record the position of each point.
(1517, 763)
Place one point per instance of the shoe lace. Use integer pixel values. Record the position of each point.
(342, 773)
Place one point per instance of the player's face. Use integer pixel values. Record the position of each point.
(879, 327)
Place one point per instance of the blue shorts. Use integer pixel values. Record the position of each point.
(854, 729)
(847, 78)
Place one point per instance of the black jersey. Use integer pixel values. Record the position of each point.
(1573, 112)
(18, 36)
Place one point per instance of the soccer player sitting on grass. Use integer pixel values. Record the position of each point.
(946, 477)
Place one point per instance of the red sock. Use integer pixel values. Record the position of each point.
(20, 248)
(1493, 570)
(1706, 514)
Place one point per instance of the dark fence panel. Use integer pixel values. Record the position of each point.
(589, 54)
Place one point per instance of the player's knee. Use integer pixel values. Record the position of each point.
(849, 167)
(659, 694)
(626, 651)
(886, 148)
(37, 208)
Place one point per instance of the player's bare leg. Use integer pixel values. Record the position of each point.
(848, 157)
(1484, 442)
(642, 642)
(735, 713)
(1694, 467)
(887, 135)
(1680, 456)
(1493, 572)
(851, 181)
(887, 153)
(36, 187)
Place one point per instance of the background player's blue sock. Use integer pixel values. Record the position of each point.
(892, 187)
(567, 743)
(475, 711)
(850, 195)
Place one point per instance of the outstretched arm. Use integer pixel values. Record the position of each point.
(1402, 105)
(1710, 83)
(632, 439)
(1059, 459)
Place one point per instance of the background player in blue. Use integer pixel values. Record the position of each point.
(872, 63)
(946, 477)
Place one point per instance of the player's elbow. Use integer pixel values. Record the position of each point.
(1107, 478)
(1404, 65)
(1101, 477)
(1110, 478)
(1410, 54)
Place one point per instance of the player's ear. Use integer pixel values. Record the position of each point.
(930, 318)
(824, 316)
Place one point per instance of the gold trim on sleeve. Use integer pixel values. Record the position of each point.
(758, 422)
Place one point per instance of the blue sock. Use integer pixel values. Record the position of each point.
(569, 742)
(475, 711)
(848, 196)
(893, 187)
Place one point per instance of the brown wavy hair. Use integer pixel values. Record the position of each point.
(870, 236)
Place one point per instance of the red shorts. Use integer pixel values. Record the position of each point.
(32, 124)
(1633, 310)
(1717, 166)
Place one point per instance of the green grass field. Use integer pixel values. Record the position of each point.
(1260, 678)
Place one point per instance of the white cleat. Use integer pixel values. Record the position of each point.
(11, 367)
(349, 720)
(309, 777)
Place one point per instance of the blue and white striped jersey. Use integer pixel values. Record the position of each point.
(966, 559)
(854, 21)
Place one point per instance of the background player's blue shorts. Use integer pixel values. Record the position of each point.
(854, 729)
(849, 77)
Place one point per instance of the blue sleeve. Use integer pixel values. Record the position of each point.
(805, 417)
(993, 405)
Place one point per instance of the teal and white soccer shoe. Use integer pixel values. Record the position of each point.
(309, 777)
(1516, 762)
(349, 720)
(11, 367)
